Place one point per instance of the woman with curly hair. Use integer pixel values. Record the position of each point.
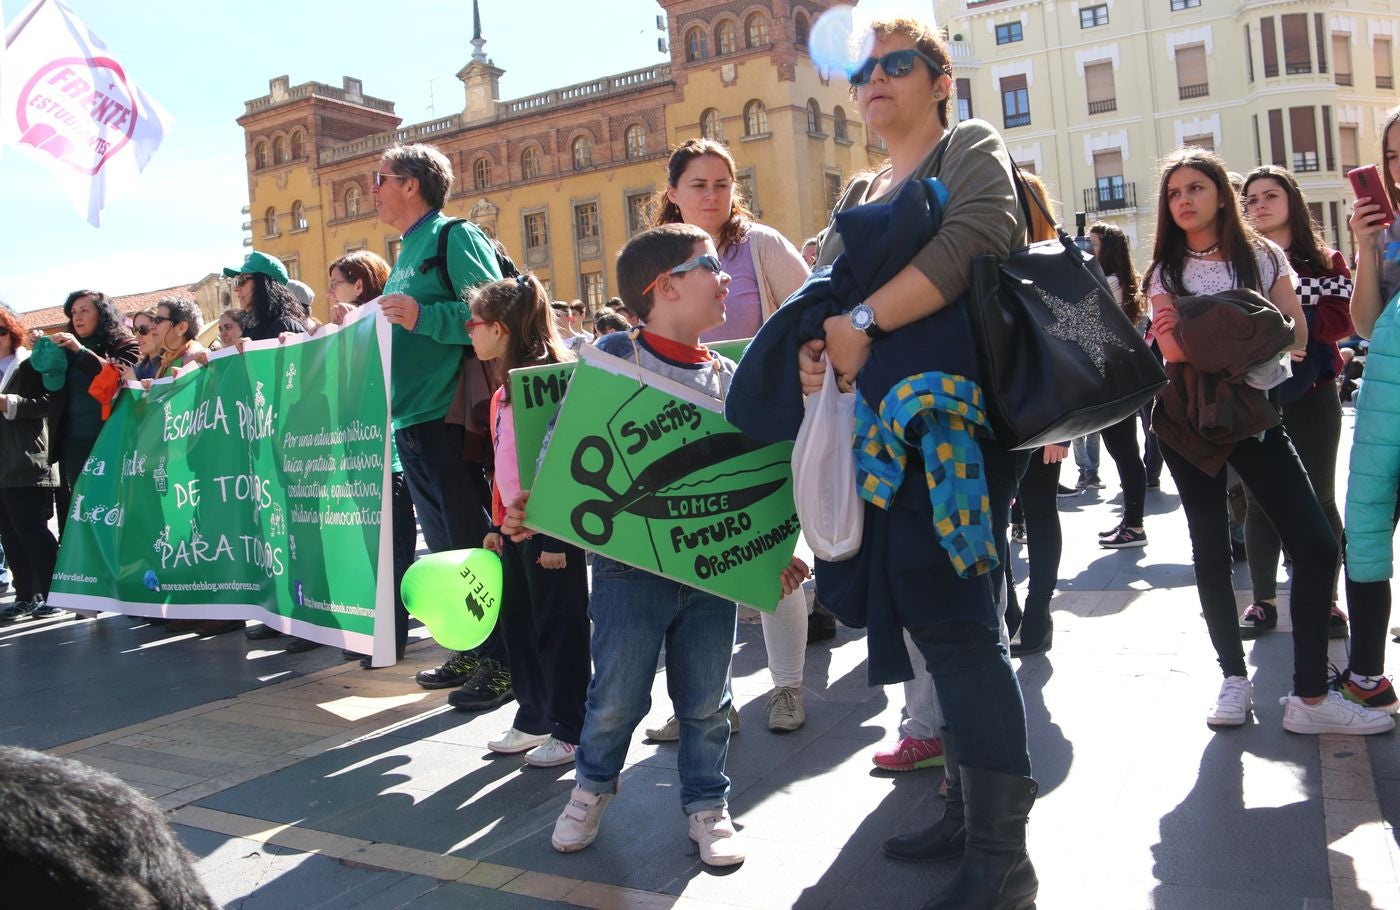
(93, 338)
(260, 285)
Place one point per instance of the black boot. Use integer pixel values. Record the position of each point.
(945, 838)
(996, 872)
(1037, 630)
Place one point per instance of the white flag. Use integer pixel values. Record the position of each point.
(69, 104)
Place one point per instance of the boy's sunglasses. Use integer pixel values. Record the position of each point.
(703, 261)
(896, 64)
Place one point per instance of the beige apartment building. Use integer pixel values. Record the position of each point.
(564, 177)
(1090, 95)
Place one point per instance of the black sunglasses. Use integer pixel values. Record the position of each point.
(144, 329)
(896, 64)
(161, 319)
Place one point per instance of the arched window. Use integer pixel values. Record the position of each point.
(481, 173)
(755, 119)
(726, 38)
(279, 150)
(799, 26)
(298, 216)
(814, 116)
(696, 47)
(270, 222)
(352, 201)
(260, 155)
(636, 138)
(756, 30)
(583, 153)
(838, 128)
(710, 125)
(298, 146)
(530, 163)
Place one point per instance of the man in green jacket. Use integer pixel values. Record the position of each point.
(449, 493)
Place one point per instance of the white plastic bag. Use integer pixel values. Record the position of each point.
(824, 474)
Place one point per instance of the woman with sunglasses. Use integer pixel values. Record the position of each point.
(260, 285)
(1204, 247)
(764, 270)
(144, 325)
(904, 92)
(1311, 405)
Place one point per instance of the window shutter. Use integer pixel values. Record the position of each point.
(1266, 38)
(1381, 51)
(1191, 65)
(1351, 147)
(1098, 81)
(1276, 148)
(1341, 54)
(1108, 164)
(1297, 55)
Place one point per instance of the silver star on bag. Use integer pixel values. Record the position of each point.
(1090, 335)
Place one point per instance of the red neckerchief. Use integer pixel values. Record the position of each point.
(675, 350)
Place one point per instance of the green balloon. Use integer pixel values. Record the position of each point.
(456, 594)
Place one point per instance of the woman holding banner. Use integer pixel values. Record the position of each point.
(764, 270)
(904, 89)
(93, 338)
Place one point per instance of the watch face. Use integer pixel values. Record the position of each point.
(862, 317)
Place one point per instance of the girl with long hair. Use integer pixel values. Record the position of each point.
(544, 594)
(1203, 247)
(1311, 405)
(764, 270)
(1110, 246)
(1372, 504)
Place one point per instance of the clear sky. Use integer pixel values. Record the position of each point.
(202, 59)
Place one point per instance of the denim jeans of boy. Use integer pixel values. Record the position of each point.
(634, 613)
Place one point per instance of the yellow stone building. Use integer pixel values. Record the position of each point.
(563, 178)
(1091, 94)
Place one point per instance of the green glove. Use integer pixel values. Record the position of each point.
(52, 364)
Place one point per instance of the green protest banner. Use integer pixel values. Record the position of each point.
(535, 394)
(252, 488)
(647, 471)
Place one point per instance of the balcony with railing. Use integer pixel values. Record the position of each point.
(1297, 69)
(1014, 120)
(1305, 162)
(1106, 106)
(1386, 82)
(1343, 78)
(1199, 90)
(1110, 198)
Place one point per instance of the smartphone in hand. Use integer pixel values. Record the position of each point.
(1366, 183)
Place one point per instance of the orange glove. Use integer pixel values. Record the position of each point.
(105, 387)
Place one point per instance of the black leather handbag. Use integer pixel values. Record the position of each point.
(1059, 357)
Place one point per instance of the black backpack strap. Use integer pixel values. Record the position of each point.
(440, 260)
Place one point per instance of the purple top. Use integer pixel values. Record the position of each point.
(743, 310)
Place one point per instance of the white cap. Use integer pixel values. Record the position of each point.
(302, 291)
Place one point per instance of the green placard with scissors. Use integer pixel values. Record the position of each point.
(647, 472)
(535, 394)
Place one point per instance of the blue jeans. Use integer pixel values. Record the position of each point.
(634, 613)
(981, 699)
(1086, 455)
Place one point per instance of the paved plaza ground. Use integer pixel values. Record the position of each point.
(301, 781)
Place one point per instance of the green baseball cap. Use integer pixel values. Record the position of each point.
(261, 264)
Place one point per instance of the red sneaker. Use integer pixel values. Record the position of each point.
(910, 754)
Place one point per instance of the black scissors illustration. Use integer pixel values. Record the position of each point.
(592, 519)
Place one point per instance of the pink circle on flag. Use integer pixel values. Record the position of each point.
(80, 110)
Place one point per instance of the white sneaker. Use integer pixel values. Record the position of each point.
(550, 753)
(713, 830)
(785, 711)
(1334, 714)
(577, 826)
(513, 742)
(1233, 703)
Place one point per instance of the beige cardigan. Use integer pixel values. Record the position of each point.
(779, 267)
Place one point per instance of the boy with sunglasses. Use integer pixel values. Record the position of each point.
(671, 277)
